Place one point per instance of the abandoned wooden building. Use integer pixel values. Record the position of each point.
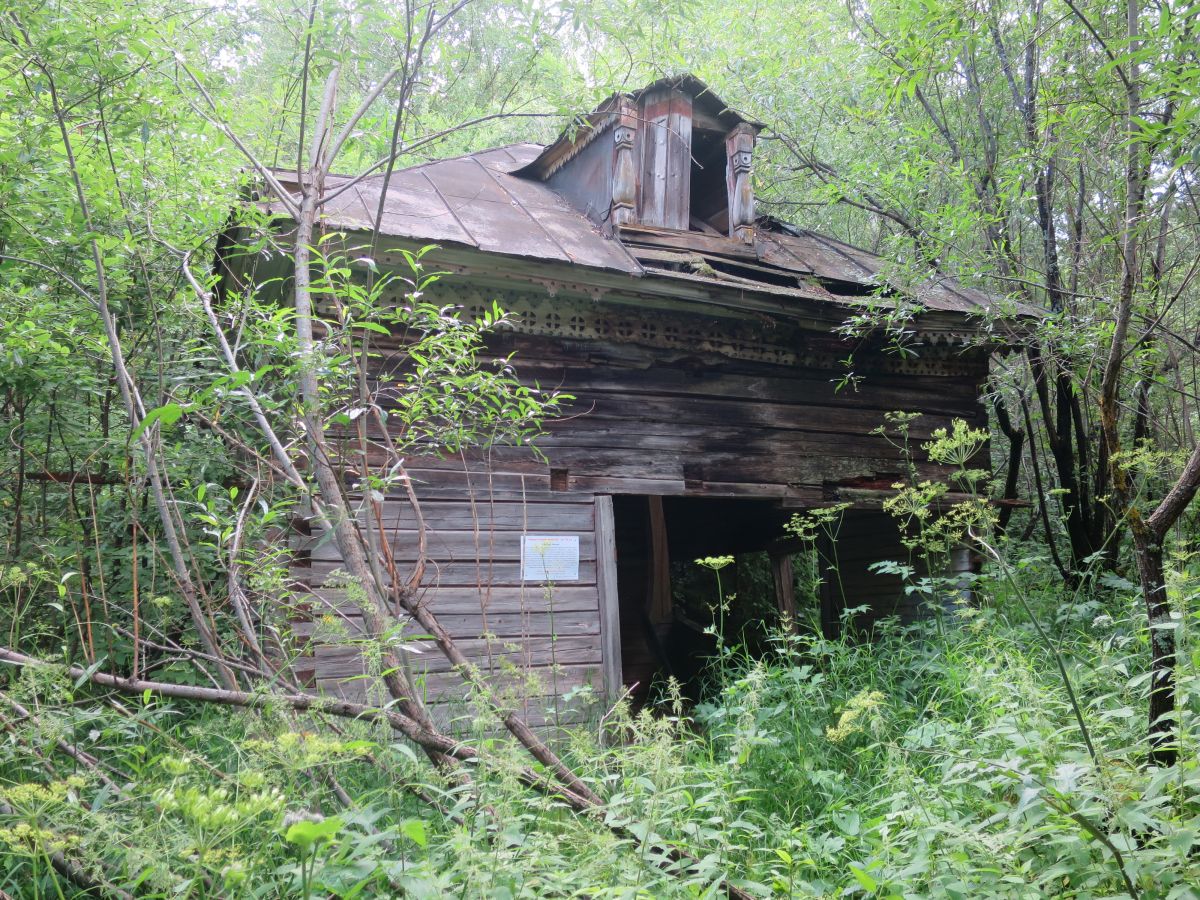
(703, 346)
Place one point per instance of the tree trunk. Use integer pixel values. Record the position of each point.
(1149, 554)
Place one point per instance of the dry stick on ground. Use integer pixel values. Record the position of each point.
(399, 722)
(80, 756)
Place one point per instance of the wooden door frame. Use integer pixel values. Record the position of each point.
(610, 606)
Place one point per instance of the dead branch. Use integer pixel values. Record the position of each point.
(439, 744)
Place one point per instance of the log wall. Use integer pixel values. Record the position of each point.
(667, 401)
(533, 642)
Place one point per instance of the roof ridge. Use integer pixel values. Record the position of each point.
(429, 162)
(472, 155)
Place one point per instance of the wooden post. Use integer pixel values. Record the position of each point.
(610, 607)
(624, 183)
(658, 597)
(785, 587)
(739, 153)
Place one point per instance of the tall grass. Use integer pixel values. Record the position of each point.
(938, 760)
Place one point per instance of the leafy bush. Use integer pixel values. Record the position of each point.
(937, 760)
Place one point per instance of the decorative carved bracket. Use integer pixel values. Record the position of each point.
(624, 183)
(739, 150)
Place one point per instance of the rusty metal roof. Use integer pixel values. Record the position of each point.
(477, 201)
(473, 201)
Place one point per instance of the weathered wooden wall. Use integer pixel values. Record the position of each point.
(669, 400)
(864, 538)
(532, 641)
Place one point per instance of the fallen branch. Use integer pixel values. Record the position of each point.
(66, 748)
(432, 741)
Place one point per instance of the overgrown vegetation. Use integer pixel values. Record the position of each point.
(1035, 736)
(941, 760)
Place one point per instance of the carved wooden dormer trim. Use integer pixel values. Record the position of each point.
(678, 159)
(624, 181)
(739, 147)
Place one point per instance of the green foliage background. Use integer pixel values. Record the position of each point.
(945, 760)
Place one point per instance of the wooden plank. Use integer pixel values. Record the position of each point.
(532, 689)
(701, 465)
(783, 385)
(720, 246)
(835, 417)
(764, 458)
(490, 656)
(449, 546)
(659, 593)
(497, 599)
(785, 586)
(610, 615)
(666, 140)
(654, 145)
(536, 683)
(475, 625)
(487, 514)
(610, 334)
(465, 574)
(679, 162)
(642, 436)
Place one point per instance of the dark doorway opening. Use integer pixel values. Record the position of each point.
(668, 603)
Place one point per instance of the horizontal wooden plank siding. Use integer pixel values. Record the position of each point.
(531, 641)
(683, 400)
(668, 397)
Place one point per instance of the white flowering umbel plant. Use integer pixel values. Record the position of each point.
(818, 530)
(716, 564)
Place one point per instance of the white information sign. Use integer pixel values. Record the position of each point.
(549, 557)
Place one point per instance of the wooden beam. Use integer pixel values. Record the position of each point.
(610, 607)
(785, 587)
(659, 595)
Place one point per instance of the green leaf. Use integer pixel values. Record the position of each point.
(414, 830)
(307, 833)
(167, 415)
(860, 875)
(89, 672)
(373, 326)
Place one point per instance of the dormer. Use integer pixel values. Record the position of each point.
(670, 156)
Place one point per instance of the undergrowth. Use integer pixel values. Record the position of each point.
(938, 760)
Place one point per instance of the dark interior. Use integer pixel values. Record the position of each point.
(667, 638)
(709, 198)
